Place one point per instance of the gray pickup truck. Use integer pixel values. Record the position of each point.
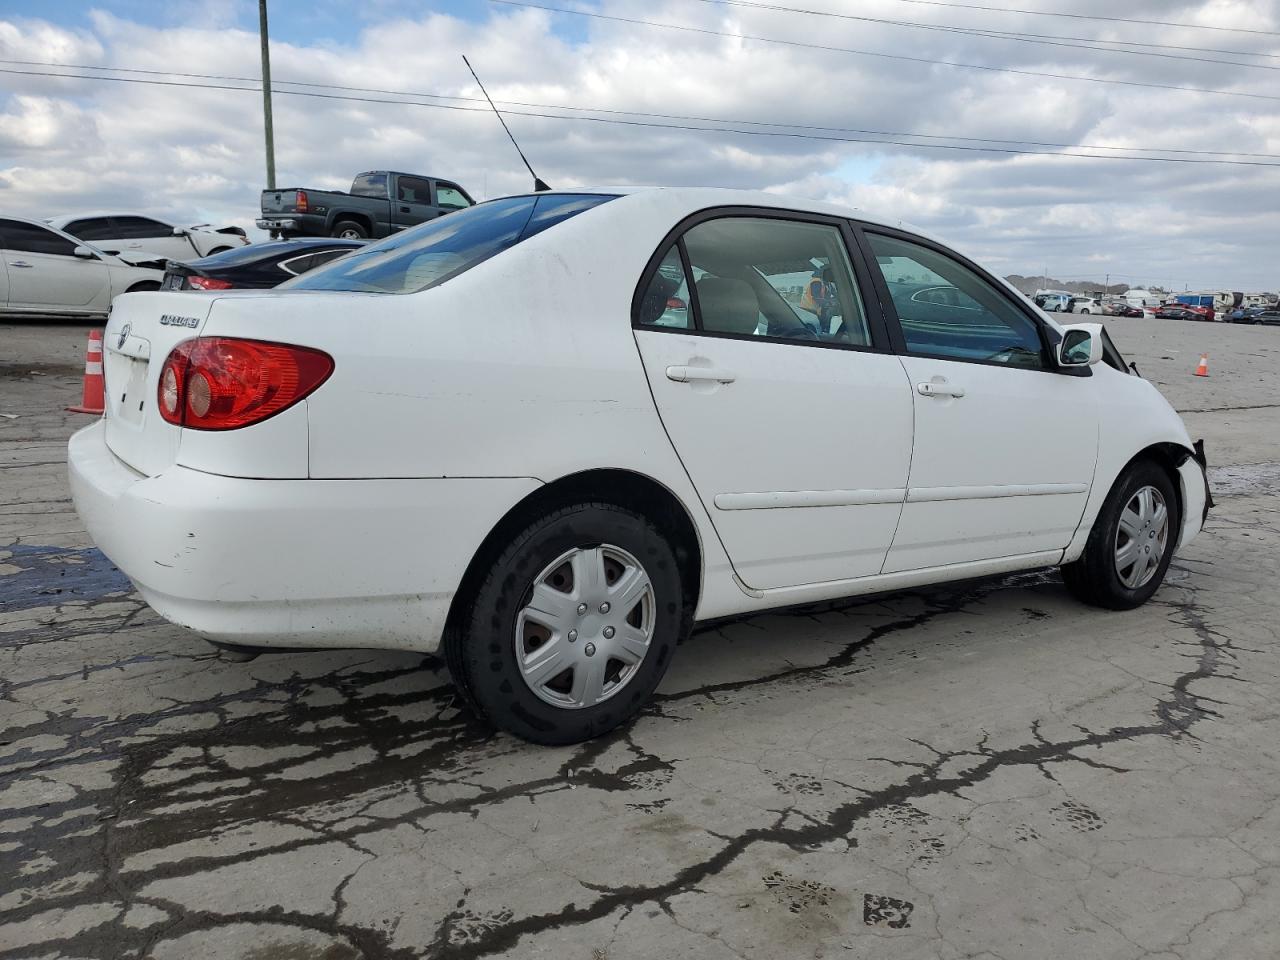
(381, 202)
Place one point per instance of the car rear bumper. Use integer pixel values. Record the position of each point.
(288, 563)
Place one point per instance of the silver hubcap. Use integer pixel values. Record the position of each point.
(586, 626)
(1142, 537)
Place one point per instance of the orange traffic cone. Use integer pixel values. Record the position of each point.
(1203, 369)
(92, 397)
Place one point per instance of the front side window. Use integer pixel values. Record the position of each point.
(22, 237)
(451, 198)
(428, 255)
(775, 278)
(947, 310)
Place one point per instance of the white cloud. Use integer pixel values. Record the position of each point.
(67, 144)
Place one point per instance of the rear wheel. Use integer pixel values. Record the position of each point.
(573, 627)
(349, 230)
(1132, 541)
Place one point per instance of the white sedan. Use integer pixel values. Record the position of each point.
(494, 434)
(133, 232)
(48, 273)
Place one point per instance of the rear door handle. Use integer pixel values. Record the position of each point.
(404, 209)
(939, 390)
(20, 263)
(699, 375)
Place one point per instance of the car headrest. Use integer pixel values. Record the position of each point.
(728, 306)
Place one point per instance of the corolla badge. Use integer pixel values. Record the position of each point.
(124, 335)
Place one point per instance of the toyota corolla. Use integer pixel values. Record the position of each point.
(549, 433)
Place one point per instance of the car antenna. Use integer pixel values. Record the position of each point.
(538, 185)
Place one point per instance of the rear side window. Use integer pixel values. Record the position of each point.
(139, 228)
(92, 228)
(413, 190)
(428, 255)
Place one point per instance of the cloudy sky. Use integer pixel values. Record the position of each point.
(69, 143)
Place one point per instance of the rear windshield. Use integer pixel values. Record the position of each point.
(440, 249)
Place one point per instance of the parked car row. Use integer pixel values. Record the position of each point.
(48, 272)
(1262, 316)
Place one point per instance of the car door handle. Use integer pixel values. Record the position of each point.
(939, 390)
(699, 375)
(21, 263)
(404, 209)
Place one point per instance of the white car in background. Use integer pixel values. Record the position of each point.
(47, 272)
(132, 232)
(1086, 305)
(496, 434)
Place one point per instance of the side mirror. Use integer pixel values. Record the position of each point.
(84, 253)
(180, 231)
(1080, 347)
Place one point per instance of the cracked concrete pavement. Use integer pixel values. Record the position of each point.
(984, 770)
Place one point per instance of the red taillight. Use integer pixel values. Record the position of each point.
(208, 283)
(300, 201)
(221, 383)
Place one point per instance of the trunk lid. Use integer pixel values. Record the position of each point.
(141, 331)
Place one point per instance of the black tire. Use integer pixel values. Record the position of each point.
(481, 651)
(350, 230)
(143, 286)
(1094, 579)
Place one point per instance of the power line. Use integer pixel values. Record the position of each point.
(657, 116)
(1072, 43)
(885, 56)
(1083, 16)
(658, 126)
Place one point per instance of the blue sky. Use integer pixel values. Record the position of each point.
(309, 22)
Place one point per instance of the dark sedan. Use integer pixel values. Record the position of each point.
(258, 265)
(1178, 311)
(1123, 310)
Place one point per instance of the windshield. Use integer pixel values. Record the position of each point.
(440, 249)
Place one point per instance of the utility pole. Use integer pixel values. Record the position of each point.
(1107, 286)
(266, 95)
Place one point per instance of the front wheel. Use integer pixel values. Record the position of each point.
(573, 627)
(1131, 544)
